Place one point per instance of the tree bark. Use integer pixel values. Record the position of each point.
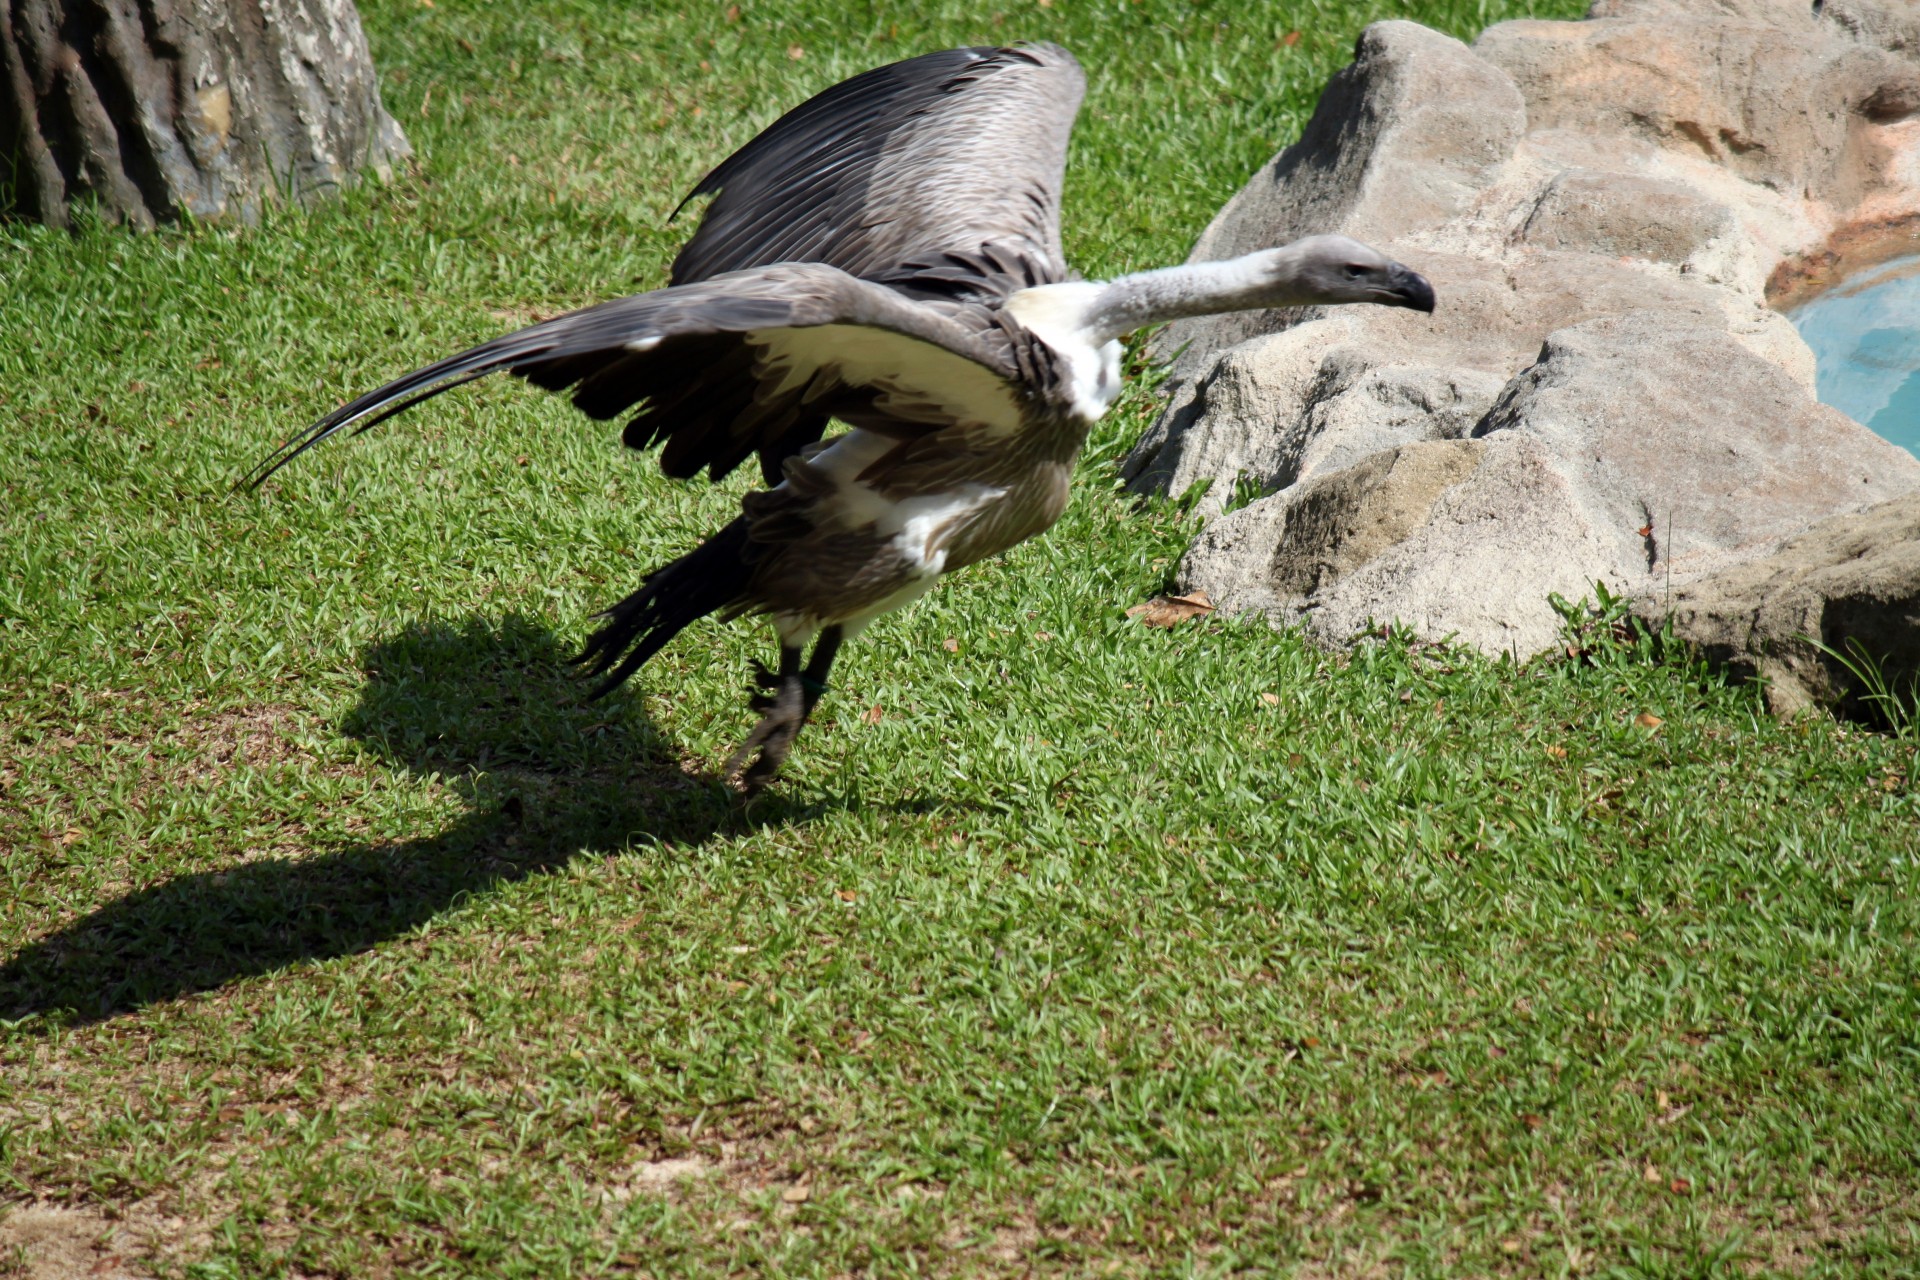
(151, 109)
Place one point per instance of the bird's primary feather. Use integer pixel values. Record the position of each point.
(902, 165)
(708, 368)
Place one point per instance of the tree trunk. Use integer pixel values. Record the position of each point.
(149, 109)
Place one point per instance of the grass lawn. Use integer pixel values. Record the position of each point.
(340, 936)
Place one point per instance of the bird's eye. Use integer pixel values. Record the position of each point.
(1355, 271)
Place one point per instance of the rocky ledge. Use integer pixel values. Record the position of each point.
(1607, 208)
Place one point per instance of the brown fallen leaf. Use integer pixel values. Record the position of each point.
(951, 644)
(1558, 753)
(1171, 611)
(847, 895)
(1680, 1186)
(798, 1193)
(1043, 635)
(1290, 39)
(1650, 1173)
(1648, 720)
(795, 52)
(1271, 699)
(874, 714)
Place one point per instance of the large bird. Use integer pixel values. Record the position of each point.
(886, 254)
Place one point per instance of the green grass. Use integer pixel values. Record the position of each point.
(343, 937)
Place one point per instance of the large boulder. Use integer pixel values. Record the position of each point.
(1688, 450)
(1777, 99)
(1821, 616)
(1606, 209)
(1442, 536)
(1638, 450)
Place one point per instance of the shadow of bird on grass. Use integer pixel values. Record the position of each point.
(491, 706)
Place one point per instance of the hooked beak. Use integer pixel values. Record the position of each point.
(1407, 288)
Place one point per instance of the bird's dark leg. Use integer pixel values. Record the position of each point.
(814, 679)
(782, 701)
(786, 698)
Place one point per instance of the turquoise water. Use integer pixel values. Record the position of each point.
(1865, 335)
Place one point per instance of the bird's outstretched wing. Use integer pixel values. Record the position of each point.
(901, 166)
(751, 361)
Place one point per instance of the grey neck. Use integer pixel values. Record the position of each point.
(1265, 279)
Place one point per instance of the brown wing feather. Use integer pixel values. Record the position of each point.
(901, 165)
(717, 371)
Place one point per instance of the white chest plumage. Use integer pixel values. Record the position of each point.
(930, 387)
(1056, 314)
(911, 523)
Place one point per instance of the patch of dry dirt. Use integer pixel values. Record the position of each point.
(53, 1242)
(1821, 1229)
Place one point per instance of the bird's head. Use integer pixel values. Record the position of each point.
(1334, 269)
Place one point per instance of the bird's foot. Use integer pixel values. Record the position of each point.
(785, 698)
(767, 684)
(784, 703)
(773, 738)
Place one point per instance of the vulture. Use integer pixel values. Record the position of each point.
(886, 255)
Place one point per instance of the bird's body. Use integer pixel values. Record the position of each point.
(867, 522)
(886, 255)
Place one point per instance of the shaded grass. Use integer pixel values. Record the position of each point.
(342, 936)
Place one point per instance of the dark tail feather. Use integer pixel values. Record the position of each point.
(707, 579)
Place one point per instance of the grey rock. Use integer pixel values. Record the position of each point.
(1772, 103)
(1625, 215)
(1849, 586)
(1604, 208)
(1886, 24)
(1358, 407)
(1677, 429)
(1636, 452)
(1461, 539)
(1279, 410)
